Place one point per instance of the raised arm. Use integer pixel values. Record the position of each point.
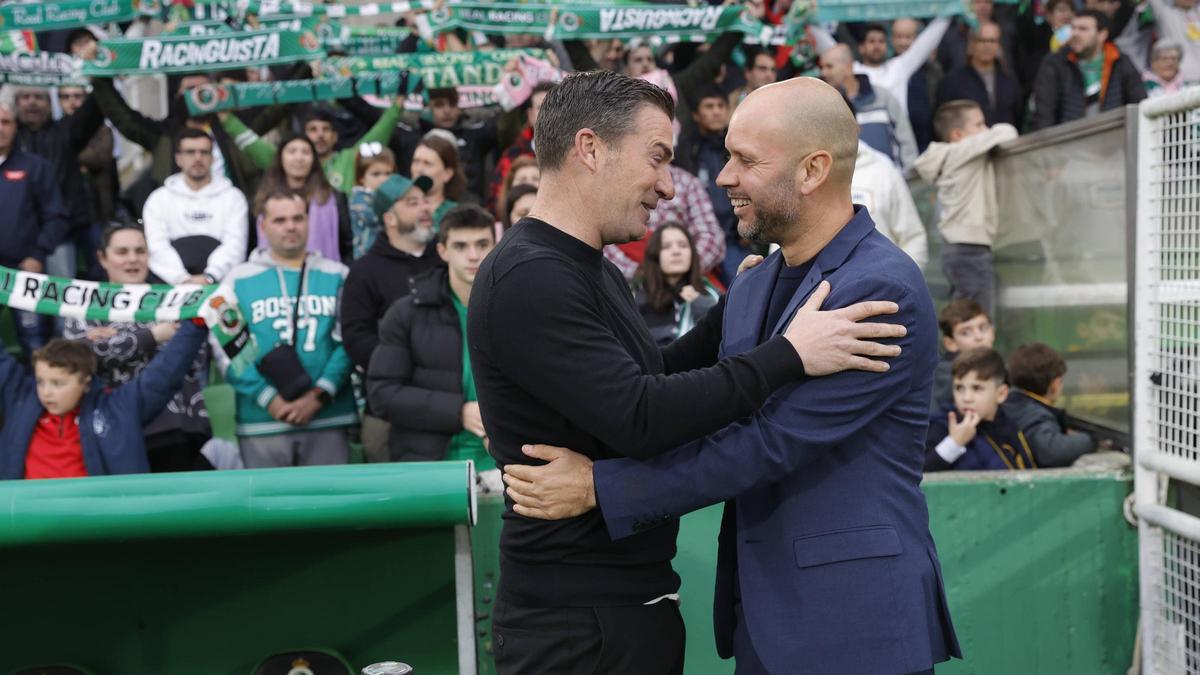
(592, 366)
(797, 424)
(131, 123)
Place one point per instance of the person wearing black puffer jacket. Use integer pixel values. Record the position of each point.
(1087, 77)
(420, 377)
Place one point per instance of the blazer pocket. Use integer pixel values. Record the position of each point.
(842, 545)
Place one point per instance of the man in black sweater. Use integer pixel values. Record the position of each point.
(562, 357)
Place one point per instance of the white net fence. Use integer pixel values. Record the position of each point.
(1167, 378)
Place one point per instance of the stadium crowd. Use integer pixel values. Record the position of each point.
(349, 232)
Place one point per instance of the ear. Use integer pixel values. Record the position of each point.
(441, 251)
(1002, 393)
(813, 171)
(587, 147)
(389, 219)
(949, 344)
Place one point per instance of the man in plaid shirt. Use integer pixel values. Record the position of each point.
(692, 209)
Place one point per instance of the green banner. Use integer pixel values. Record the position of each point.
(41, 69)
(18, 42)
(184, 53)
(219, 97)
(334, 37)
(365, 40)
(568, 22)
(858, 10)
(74, 13)
(272, 7)
(438, 69)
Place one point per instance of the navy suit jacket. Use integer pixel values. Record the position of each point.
(826, 532)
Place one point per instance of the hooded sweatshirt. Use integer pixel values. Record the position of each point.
(266, 293)
(966, 185)
(879, 186)
(215, 215)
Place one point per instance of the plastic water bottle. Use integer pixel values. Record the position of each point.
(388, 668)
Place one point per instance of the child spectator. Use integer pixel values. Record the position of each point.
(374, 165)
(60, 423)
(964, 326)
(977, 435)
(1037, 377)
(966, 191)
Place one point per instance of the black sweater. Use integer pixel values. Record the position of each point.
(561, 356)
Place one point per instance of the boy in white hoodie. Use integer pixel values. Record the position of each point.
(962, 171)
(196, 224)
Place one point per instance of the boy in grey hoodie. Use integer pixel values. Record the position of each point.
(960, 168)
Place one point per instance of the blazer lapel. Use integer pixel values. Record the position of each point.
(829, 259)
(746, 306)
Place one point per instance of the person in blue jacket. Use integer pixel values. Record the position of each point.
(825, 561)
(33, 220)
(61, 422)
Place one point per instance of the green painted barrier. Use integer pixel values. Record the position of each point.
(213, 572)
(210, 503)
(1040, 571)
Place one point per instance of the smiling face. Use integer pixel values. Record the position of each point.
(296, 160)
(675, 254)
(983, 396)
(633, 175)
(125, 259)
(760, 181)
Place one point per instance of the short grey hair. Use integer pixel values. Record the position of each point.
(599, 100)
(1166, 45)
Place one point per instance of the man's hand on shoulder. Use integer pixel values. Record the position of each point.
(836, 340)
(560, 488)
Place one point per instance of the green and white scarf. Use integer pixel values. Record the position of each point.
(184, 53)
(74, 13)
(218, 97)
(436, 69)
(141, 303)
(41, 69)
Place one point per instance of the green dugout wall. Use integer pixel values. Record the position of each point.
(209, 573)
(212, 572)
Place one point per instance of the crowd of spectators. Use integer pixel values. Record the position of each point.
(348, 232)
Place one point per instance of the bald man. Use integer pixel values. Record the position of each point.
(825, 563)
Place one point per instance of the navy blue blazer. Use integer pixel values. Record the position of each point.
(827, 530)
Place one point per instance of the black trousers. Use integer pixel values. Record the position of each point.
(637, 640)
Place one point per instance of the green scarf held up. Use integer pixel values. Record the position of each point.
(74, 13)
(436, 69)
(105, 301)
(185, 54)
